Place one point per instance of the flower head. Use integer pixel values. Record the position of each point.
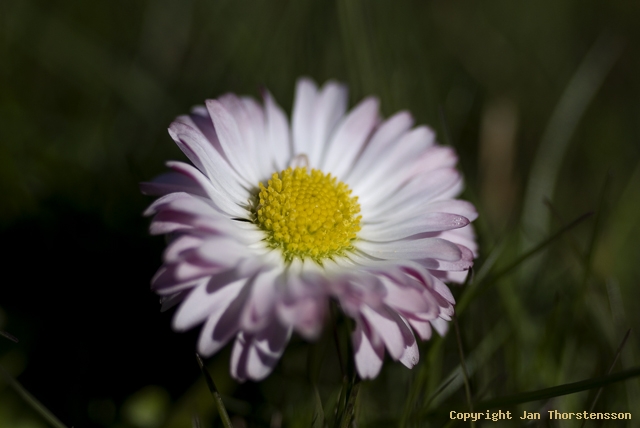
(274, 220)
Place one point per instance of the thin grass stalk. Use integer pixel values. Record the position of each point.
(217, 399)
(31, 400)
(481, 287)
(467, 387)
(615, 360)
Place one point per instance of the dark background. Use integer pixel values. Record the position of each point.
(87, 90)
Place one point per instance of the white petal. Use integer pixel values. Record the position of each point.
(458, 277)
(250, 121)
(440, 325)
(278, 134)
(350, 136)
(302, 118)
(397, 159)
(417, 249)
(206, 158)
(431, 186)
(410, 356)
(384, 137)
(387, 328)
(176, 249)
(443, 290)
(423, 328)
(205, 303)
(232, 142)
(228, 200)
(424, 223)
(330, 106)
(404, 298)
(465, 262)
(464, 236)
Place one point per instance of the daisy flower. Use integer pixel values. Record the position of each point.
(274, 219)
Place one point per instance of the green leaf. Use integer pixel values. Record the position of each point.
(318, 412)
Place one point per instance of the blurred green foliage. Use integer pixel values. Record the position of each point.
(87, 90)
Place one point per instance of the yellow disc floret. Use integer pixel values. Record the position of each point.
(307, 215)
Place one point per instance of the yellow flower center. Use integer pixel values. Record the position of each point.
(307, 215)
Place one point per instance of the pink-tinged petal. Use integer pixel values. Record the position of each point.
(424, 223)
(429, 248)
(417, 208)
(167, 222)
(223, 320)
(440, 325)
(306, 315)
(232, 142)
(408, 299)
(249, 117)
(358, 290)
(426, 187)
(169, 301)
(303, 300)
(278, 133)
(184, 212)
(165, 281)
(226, 200)
(206, 158)
(457, 277)
(302, 118)
(397, 159)
(368, 357)
(222, 251)
(382, 140)
(388, 327)
(464, 263)
(350, 136)
(258, 311)
(171, 182)
(423, 328)
(206, 301)
(441, 288)
(329, 108)
(255, 356)
(465, 236)
(411, 355)
(163, 201)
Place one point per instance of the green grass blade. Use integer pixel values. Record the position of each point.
(565, 118)
(216, 395)
(557, 391)
(318, 412)
(597, 227)
(463, 365)
(475, 361)
(615, 360)
(31, 400)
(493, 279)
